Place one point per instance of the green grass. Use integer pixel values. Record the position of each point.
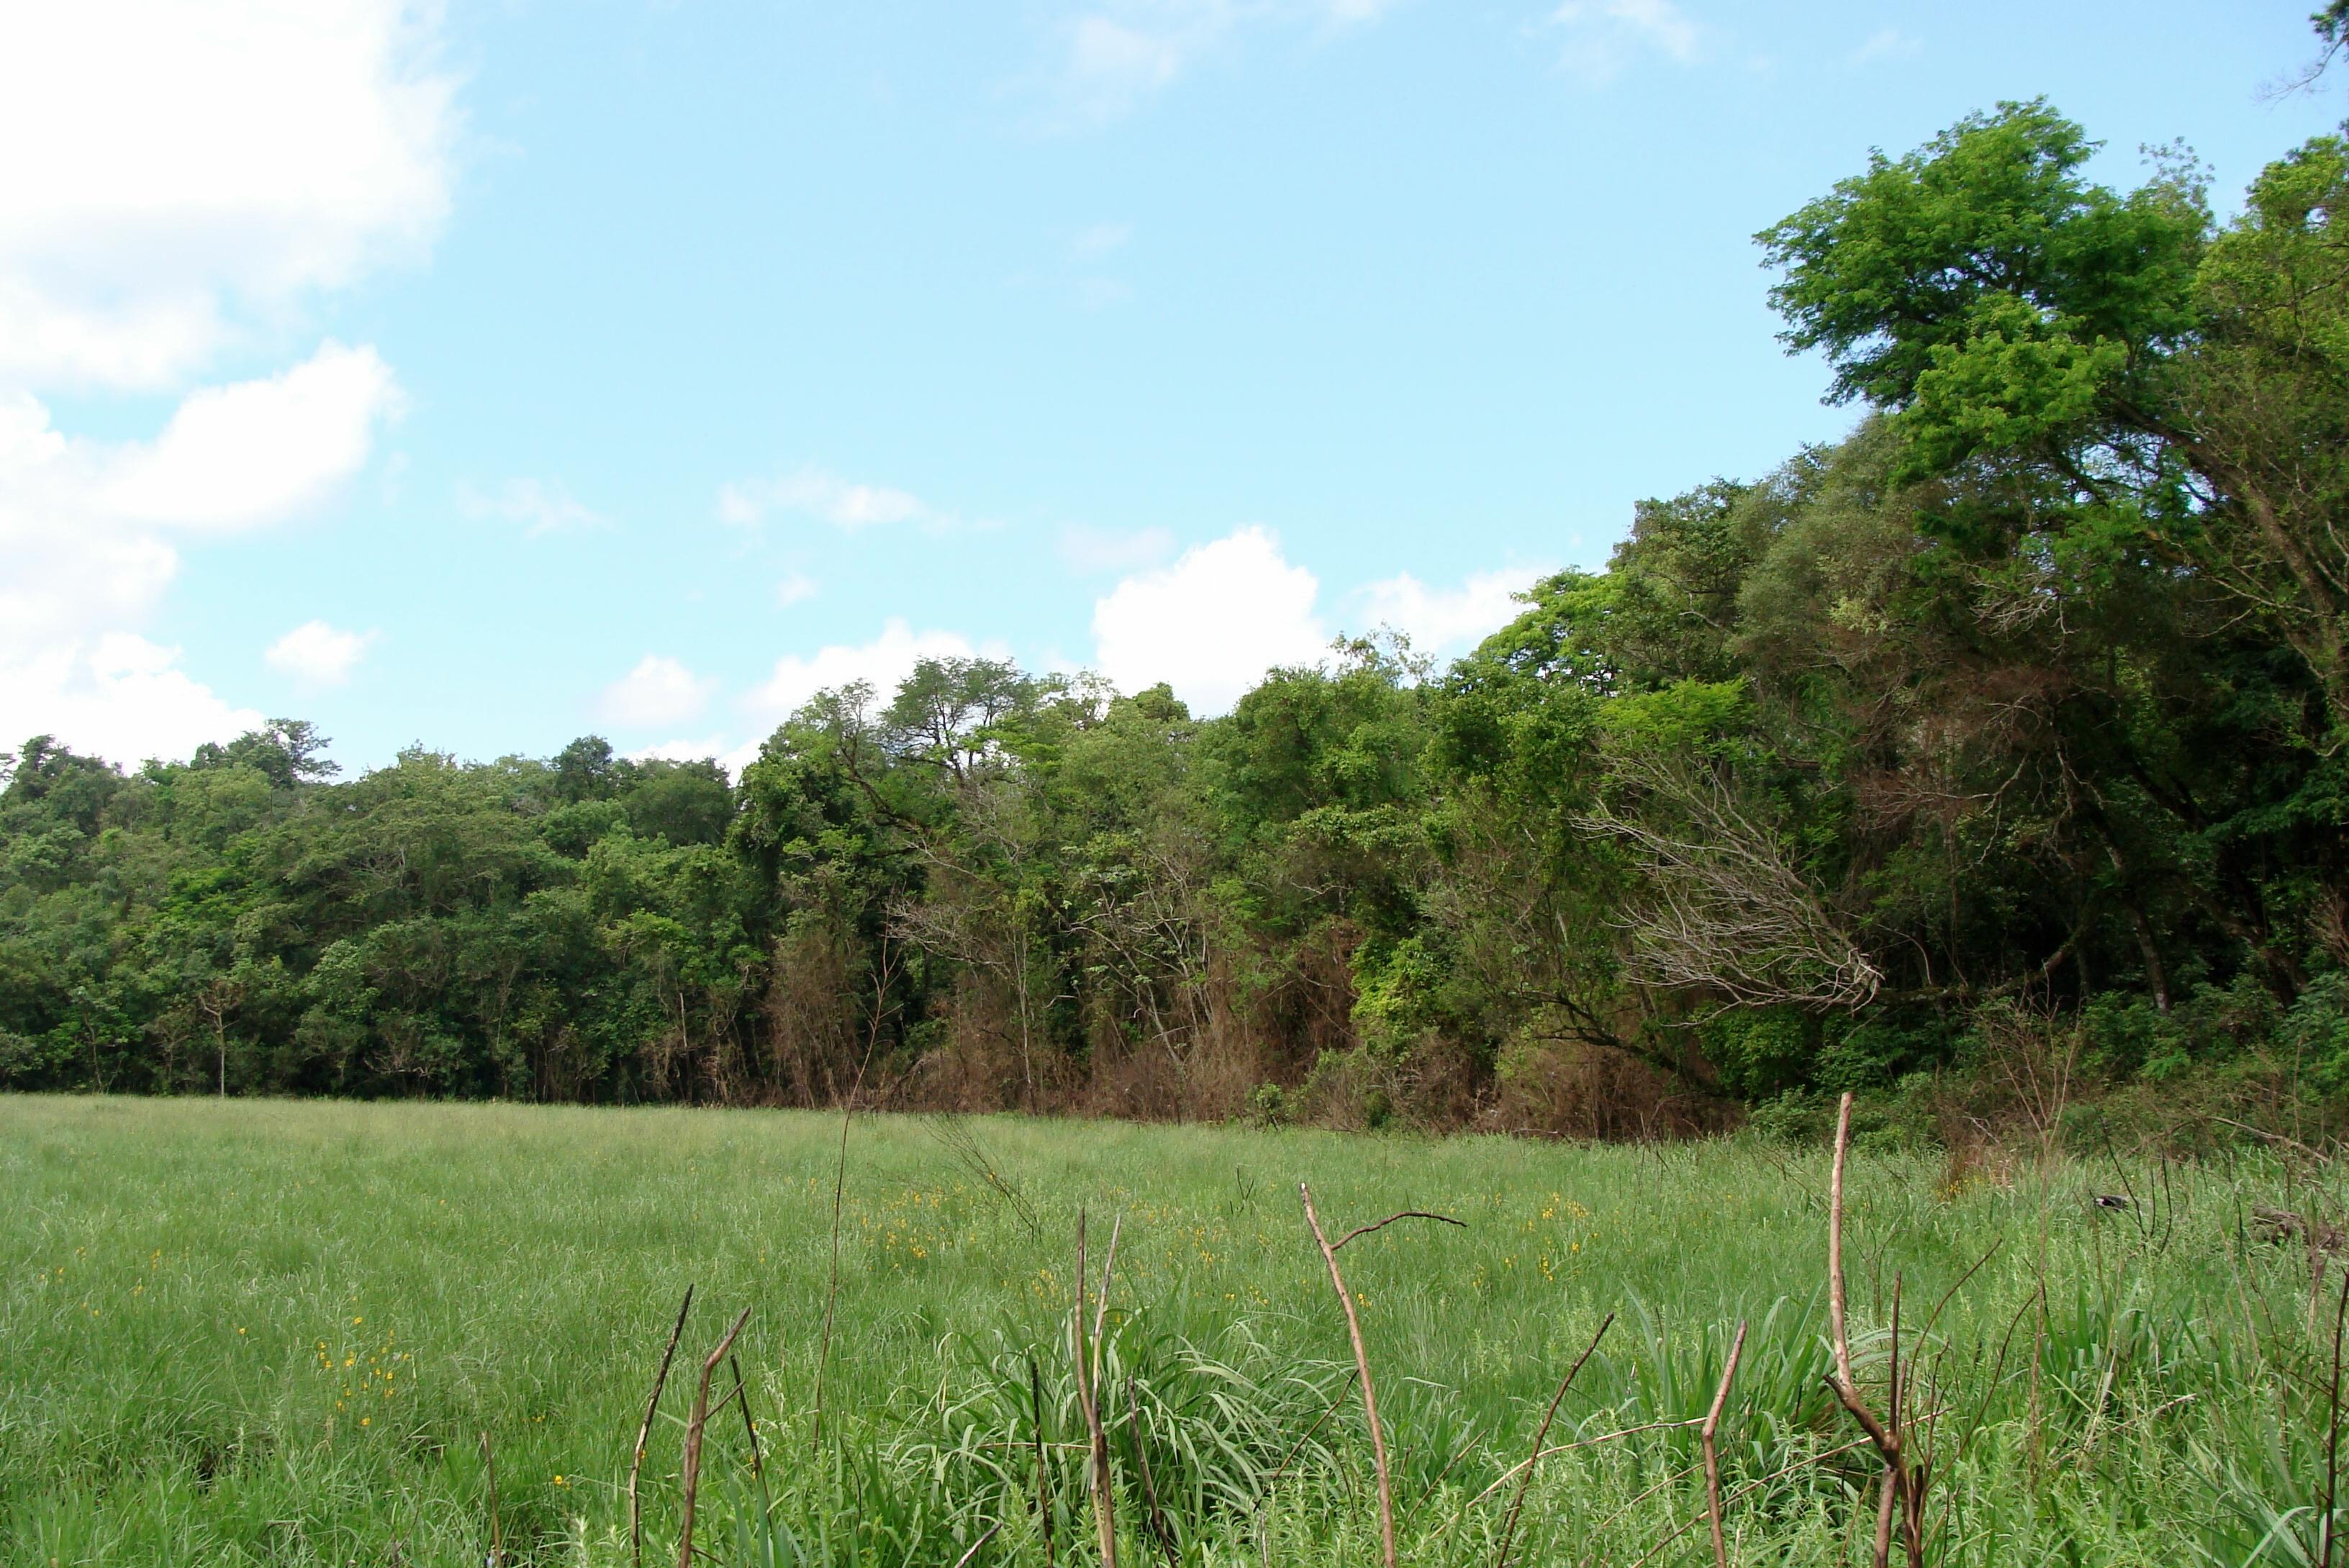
(263, 1332)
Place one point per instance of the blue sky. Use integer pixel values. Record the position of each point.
(490, 373)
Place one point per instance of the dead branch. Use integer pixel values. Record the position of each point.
(1728, 911)
(1713, 1452)
(645, 1432)
(497, 1532)
(1897, 1484)
(689, 1481)
(1390, 1219)
(1105, 1496)
(1509, 1526)
(1362, 1366)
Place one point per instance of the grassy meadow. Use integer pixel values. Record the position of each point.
(275, 1332)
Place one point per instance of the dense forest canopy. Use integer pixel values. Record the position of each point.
(2008, 731)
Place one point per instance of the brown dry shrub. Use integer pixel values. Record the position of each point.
(1572, 1088)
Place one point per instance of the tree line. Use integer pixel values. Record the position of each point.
(1998, 743)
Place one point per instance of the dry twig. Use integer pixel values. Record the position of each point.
(1362, 1366)
(1509, 1527)
(1898, 1486)
(645, 1432)
(497, 1533)
(1105, 1495)
(689, 1483)
(1712, 1452)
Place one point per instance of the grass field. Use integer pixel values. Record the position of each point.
(261, 1332)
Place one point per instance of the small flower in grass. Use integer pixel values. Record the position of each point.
(560, 1481)
(366, 1420)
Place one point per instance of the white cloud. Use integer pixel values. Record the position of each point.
(1211, 623)
(1887, 43)
(1087, 548)
(1096, 240)
(1120, 52)
(826, 496)
(88, 527)
(1605, 35)
(182, 174)
(660, 691)
(1448, 621)
(89, 531)
(795, 588)
(183, 180)
(116, 696)
(880, 663)
(259, 451)
(540, 506)
(317, 654)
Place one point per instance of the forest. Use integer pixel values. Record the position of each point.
(1986, 762)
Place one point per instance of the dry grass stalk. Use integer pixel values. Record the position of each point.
(2333, 1432)
(988, 1535)
(1712, 1451)
(1362, 1366)
(1898, 1486)
(1517, 1505)
(1264, 1498)
(750, 1432)
(1390, 1219)
(645, 1432)
(1043, 1483)
(1105, 1495)
(1142, 1463)
(690, 1481)
(880, 1011)
(497, 1533)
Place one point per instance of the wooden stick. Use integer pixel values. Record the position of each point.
(1362, 1365)
(1835, 1243)
(2332, 1428)
(1390, 1219)
(497, 1534)
(1847, 1388)
(1100, 1307)
(1713, 1452)
(645, 1432)
(1104, 1499)
(840, 1186)
(1142, 1462)
(751, 1431)
(1043, 1488)
(1509, 1528)
(963, 1561)
(690, 1482)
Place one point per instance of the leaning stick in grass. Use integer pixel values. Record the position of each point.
(1712, 1452)
(1517, 1505)
(1390, 1219)
(690, 1481)
(645, 1432)
(1100, 1306)
(1362, 1365)
(1845, 1388)
(751, 1431)
(1043, 1487)
(840, 1185)
(1105, 1496)
(2332, 1430)
(497, 1535)
(1142, 1463)
(1263, 1498)
(963, 1561)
